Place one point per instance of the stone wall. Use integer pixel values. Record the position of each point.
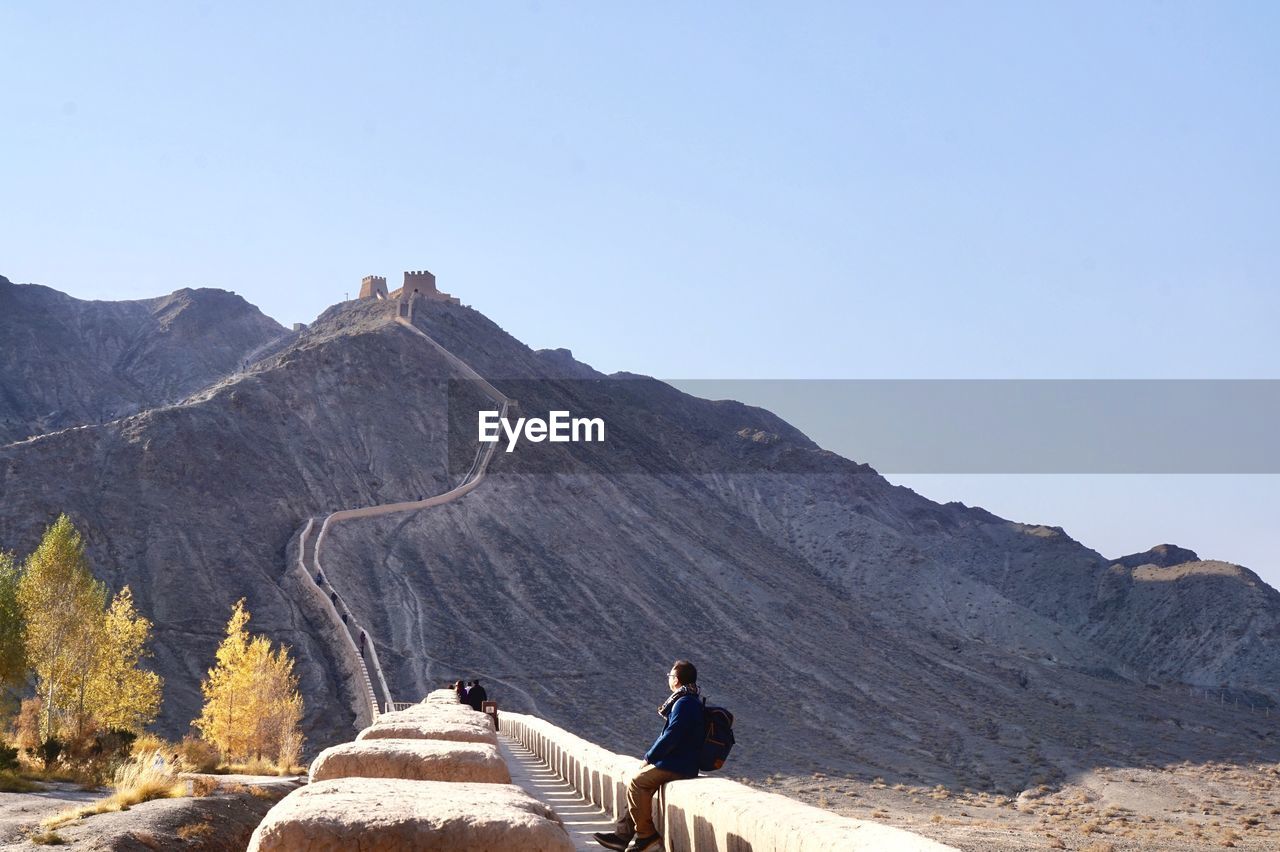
(420, 281)
(373, 287)
(315, 604)
(413, 792)
(707, 814)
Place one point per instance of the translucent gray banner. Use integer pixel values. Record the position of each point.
(1028, 426)
(694, 426)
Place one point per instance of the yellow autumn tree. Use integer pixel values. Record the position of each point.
(224, 719)
(120, 694)
(62, 609)
(252, 707)
(277, 731)
(13, 655)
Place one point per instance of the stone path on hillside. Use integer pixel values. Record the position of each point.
(581, 818)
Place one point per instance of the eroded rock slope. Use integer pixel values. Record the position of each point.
(853, 625)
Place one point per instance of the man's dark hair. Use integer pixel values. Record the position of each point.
(685, 671)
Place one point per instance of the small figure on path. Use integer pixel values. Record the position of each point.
(461, 690)
(673, 755)
(476, 696)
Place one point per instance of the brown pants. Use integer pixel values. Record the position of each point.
(641, 788)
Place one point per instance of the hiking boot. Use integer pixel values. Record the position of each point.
(611, 840)
(645, 844)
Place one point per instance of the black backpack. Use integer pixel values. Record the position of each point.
(719, 739)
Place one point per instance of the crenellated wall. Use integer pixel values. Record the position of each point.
(373, 287)
(363, 681)
(420, 280)
(319, 609)
(707, 814)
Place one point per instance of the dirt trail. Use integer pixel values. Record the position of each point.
(21, 812)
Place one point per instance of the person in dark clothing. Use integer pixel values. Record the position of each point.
(476, 696)
(460, 689)
(673, 755)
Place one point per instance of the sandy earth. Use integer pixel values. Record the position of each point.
(222, 820)
(19, 812)
(1178, 807)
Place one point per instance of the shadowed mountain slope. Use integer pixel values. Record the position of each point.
(69, 362)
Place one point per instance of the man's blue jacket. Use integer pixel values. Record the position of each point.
(678, 746)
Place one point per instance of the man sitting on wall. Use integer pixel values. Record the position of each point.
(673, 755)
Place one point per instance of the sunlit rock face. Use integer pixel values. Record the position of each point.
(415, 760)
(384, 814)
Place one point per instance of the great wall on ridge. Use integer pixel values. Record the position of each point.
(434, 774)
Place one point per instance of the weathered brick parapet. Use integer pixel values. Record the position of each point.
(354, 679)
(707, 814)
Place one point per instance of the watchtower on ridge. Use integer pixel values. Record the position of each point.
(421, 282)
(373, 287)
(417, 283)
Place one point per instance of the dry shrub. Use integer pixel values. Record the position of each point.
(148, 743)
(1099, 847)
(140, 780)
(144, 778)
(195, 831)
(48, 838)
(1089, 828)
(936, 818)
(146, 838)
(26, 728)
(1055, 843)
(202, 786)
(257, 766)
(290, 750)
(199, 755)
(10, 783)
(77, 746)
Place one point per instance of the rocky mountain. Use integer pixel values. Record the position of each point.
(854, 626)
(69, 362)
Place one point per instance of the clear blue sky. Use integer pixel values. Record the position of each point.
(1079, 190)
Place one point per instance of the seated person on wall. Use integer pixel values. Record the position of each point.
(673, 755)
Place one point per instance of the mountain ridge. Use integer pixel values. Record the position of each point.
(71, 362)
(773, 558)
